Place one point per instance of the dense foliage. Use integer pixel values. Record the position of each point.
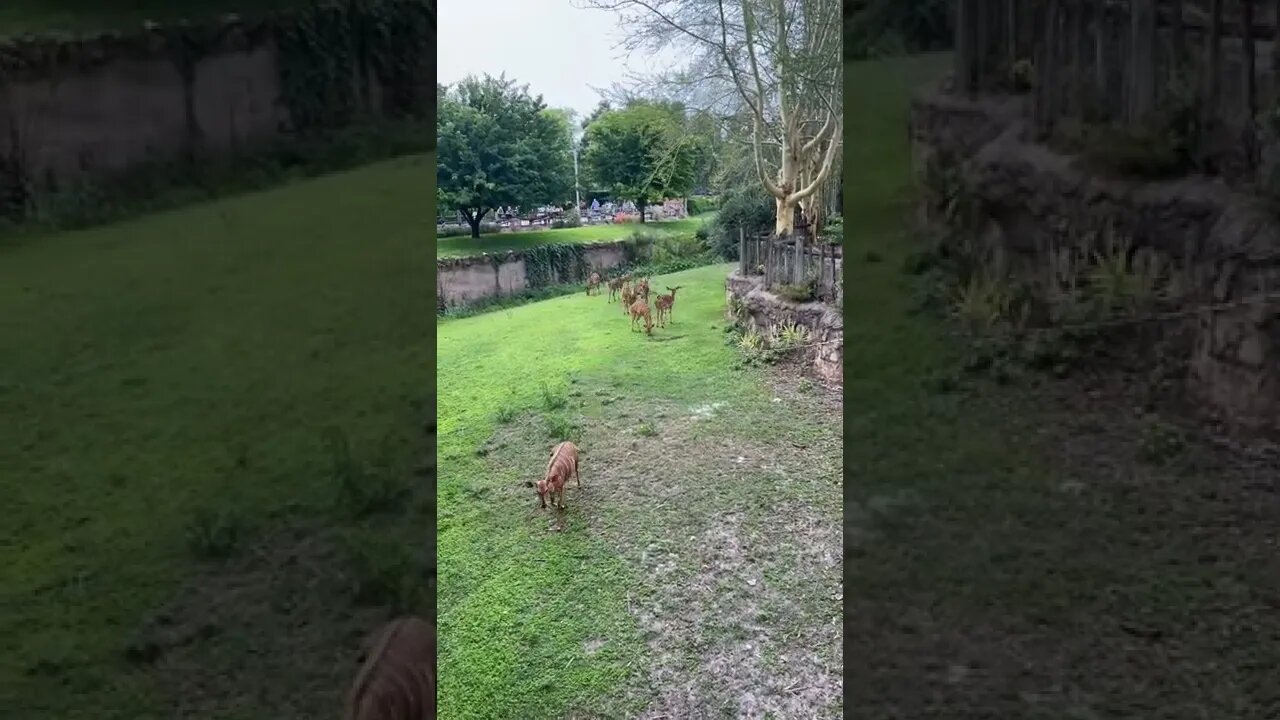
(500, 146)
(877, 28)
(642, 153)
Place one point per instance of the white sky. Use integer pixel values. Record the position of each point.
(559, 50)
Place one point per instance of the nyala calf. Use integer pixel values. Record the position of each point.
(563, 463)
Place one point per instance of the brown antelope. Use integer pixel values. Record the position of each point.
(640, 309)
(593, 283)
(665, 303)
(616, 285)
(642, 288)
(628, 298)
(397, 677)
(564, 462)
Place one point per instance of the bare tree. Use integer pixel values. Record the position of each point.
(779, 60)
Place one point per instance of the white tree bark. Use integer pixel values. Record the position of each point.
(781, 63)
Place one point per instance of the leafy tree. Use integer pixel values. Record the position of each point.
(499, 146)
(642, 153)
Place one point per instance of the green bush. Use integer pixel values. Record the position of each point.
(673, 248)
(572, 218)
(752, 210)
(1140, 152)
(464, 230)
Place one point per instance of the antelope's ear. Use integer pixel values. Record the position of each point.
(528, 483)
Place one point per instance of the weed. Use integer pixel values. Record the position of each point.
(214, 534)
(553, 398)
(799, 293)
(1160, 442)
(560, 427)
(646, 429)
(788, 336)
(506, 414)
(751, 341)
(981, 304)
(361, 489)
(385, 572)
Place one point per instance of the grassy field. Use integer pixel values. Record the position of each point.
(189, 365)
(38, 16)
(1008, 551)
(502, 242)
(676, 559)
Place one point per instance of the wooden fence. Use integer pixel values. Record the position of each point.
(1127, 62)
(795, 260)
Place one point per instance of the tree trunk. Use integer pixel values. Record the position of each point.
(1213, 72)
(640, 205)
(1142, 61)
(1078, 53)
(1250, 82)
(1101, 73)
(474, 219)
(1275, 57)
(1179, 32)
(964, 47)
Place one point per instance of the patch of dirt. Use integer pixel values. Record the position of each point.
(1113, 587)
(272, 633)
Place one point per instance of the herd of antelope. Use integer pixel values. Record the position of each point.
(634, 294)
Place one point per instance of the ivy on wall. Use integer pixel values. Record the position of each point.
(330, 51)
(552, 264)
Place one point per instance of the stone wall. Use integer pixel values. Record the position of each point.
(764, 310)
(467, 279)
(1223, 244)
(84, 108)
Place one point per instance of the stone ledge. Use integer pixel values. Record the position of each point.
(825, 324)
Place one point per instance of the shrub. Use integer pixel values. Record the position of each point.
(981, 304)
(1138, 152)
(752, 210)
(572, 218)
(465, 230)
(671, 248)
(801, 293)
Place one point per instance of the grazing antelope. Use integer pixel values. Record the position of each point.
(397, 677)
(564, 461)
(665, 303)
(616, 285)
(628, 298)
(593, 283)
(640, 309)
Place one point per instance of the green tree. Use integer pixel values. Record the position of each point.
(500, 146)
(642, 153)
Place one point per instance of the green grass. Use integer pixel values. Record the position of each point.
(519, 600)
(502, 242)
(192, 359)
(40, 16)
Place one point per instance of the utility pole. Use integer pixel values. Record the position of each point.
(577, 198)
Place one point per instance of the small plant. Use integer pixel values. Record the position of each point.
(788, 336)
(702, 233)
(506, 414)
(213, 534)
(1022, 76)
(560, 427)
(646, 429)
(981, 304)
(751, 341)
(385, 572)
(553, 398)
(1122, 280)
(362, 489)
(797, 293)
(1160, 442)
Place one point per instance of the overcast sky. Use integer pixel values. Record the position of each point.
(561, 51)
